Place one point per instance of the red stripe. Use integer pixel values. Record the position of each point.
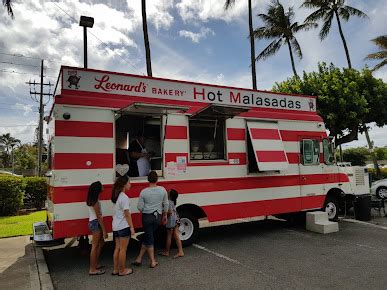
(271, 156)
(79, 227)
(265, 134)
(236, 134)
(83, 129)
(293, 158)
(176, 132)
(79, 193)
(81, 160)
(288, 135)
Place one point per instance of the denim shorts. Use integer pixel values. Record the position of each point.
(124, 233)
(94, 226)
(150, 223)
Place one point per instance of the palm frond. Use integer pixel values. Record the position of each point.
(377, 55)
(228, 4)
(270, 50)
(381, 41)
(266, 33)
(312, 4)
(316, 15)
(304, 27)
(296, 46)
(326, 25)
(267, 19)
(351, 11)
(380, 65)
(8, 5)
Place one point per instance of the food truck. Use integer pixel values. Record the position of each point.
(229, 152)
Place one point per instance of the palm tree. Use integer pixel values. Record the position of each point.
(230, 3)
(9, 143)
(279, 26)
(146, 39)
(326, 10)
(380, 41)
(8, 5)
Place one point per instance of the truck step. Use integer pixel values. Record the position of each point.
(318, 222)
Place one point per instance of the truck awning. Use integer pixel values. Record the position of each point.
(268, 146)
(152, 109)
(216, 111)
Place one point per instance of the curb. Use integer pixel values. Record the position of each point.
(44, 274)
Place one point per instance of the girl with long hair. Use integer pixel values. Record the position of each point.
(96, 227)
(122, 225)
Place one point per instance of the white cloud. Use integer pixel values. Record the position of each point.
(196, 37)
(25, 108)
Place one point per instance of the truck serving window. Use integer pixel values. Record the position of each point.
(310, 152)
(328, 152)
(207, 139)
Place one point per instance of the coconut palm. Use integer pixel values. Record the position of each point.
(229, 4)
(279, 26)
(9, 143)
(8, 5)
(380, 41)
(146, 39)
(326, 11)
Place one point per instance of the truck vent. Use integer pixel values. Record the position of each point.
(359, 176)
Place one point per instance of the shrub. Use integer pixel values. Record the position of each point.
(11, 194)
(383, 173)
(35, 192)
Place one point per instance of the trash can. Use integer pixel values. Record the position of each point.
(362, 207)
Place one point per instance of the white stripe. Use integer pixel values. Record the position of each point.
(85, 114)
(236, 146)
(237, 123)
(268, 145)
(311, 126)
(84, 145)
(176, 146)
(79, 210)
(177, 120)
(217, 254)
(75, 177)
(267, 166)
(291, 147)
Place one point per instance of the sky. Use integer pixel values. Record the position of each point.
(195, 40)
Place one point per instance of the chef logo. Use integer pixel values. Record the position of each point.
(73, 79)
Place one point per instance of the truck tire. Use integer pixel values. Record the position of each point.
(189, 228)
(381, 192)
(331, 207)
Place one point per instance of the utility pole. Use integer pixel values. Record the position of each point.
(41, 94)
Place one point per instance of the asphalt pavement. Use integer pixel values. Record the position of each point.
(251, 255)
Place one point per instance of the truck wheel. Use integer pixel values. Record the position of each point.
(189, 228)
(381, 192)
(331, 207)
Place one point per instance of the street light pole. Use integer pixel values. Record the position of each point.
(86, 22)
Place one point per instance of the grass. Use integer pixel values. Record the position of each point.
(20, 225)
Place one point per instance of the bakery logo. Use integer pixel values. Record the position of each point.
(73, 79)
(104, 84)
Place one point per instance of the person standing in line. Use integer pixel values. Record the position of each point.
(153, 204)
(96, 227)
(122, 225)
(173, 226)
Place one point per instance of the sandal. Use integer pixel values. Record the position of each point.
(100, 267)
(137, 264)
(128, 272)
(164, 254)
(154, 266)
(99, 272)
(178, 256)
(114, 274)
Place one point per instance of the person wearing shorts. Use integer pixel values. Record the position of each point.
(122, 225)
(153, 204)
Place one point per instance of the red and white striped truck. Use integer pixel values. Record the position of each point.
(230, 153)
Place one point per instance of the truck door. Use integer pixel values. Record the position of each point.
(311, 174)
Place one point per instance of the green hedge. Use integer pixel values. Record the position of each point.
(21, 192)
(11, 194)
(383, 172)
(35, 192)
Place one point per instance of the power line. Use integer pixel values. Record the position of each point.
(11, 126)
(6, 62)
(19, 55)
(105, 44)
(24, 73)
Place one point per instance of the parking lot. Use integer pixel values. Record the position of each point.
(259, 254)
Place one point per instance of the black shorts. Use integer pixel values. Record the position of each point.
(124, 233)
(150, 223)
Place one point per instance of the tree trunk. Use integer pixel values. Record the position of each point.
(146, 39)
(252, 47)
(371, 147)
(343, 39)
(292, 59)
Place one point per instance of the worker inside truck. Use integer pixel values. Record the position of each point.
(138, 139)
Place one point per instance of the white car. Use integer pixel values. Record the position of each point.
(379, 188)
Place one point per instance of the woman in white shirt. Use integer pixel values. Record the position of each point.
(96, 227)
(122, 225)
